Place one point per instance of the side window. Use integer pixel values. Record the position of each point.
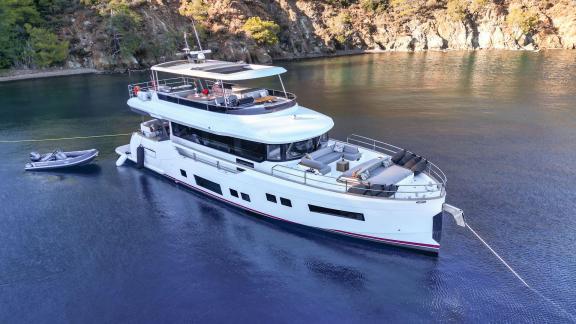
(285, 202)
(274, 152)
(234, 193)
(183, 173)
(271, 198)
(210, 185)
(245, 196)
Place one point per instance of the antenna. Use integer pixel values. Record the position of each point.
(194, 56)
(186, 48)
(196, 33)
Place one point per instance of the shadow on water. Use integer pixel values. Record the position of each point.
(84, 170)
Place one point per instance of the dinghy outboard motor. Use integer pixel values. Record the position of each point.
(35, 156)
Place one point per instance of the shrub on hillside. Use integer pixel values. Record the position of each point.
(457, 9)
(374, 5)
(405, 8)
(524, 20)
(264, 32)
(343, 3)
(195, 9)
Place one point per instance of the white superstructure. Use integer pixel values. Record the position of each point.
(256, 148)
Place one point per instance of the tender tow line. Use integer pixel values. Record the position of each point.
(63, 138)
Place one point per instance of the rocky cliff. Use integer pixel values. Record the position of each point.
(318, 28)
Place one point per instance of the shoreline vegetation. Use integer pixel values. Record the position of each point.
(28, 74)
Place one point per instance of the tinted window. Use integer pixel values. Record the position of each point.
(183, 173)
(275, 152)
(298, 149)
(234, 193)
(210, 185)
(270, 198)
(336, 212)
(247, 149)
(286, 202)
(245, 196)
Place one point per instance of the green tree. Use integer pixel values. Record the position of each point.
(195, 9)
(522, 19)
(457, 9)
(125, 24)
(44, 46)
(264, 32)
(14, 14)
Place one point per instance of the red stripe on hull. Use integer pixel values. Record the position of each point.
(362, 236)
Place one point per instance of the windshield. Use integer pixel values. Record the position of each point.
(298, 149)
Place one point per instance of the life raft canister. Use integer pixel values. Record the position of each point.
(136, 89)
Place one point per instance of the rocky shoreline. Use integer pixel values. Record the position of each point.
(26, 74)
(16, 75)
(322, 28)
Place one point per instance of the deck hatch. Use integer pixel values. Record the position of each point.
(336, 212)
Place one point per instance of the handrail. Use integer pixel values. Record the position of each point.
(345, 186)
(430, 190)
(185, 83)
(432, 170)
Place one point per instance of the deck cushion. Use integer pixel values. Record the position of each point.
(390, 175)
(398, 156)
(355, 170)
(329, 158)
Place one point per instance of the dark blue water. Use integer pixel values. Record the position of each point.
(109, 244)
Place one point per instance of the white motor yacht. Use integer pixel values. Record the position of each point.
(259, 150)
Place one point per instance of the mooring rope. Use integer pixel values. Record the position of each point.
(63, 138)
(498, 256)
(570, 315)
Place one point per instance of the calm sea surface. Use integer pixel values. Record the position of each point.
(110, 244)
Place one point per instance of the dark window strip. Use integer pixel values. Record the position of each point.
(210, 185)
(336, 212)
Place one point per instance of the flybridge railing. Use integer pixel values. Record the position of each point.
(168, 90)
(182, 82)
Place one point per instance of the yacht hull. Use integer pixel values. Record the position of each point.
(404, 223)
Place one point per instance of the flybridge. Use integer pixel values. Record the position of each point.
(218, 70)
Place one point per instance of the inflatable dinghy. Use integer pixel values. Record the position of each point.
(59, 159)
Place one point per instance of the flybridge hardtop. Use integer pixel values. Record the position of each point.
(219, 70)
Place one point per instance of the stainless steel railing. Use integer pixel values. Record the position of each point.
(432, 169)
(167, 90)
(428, 191)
